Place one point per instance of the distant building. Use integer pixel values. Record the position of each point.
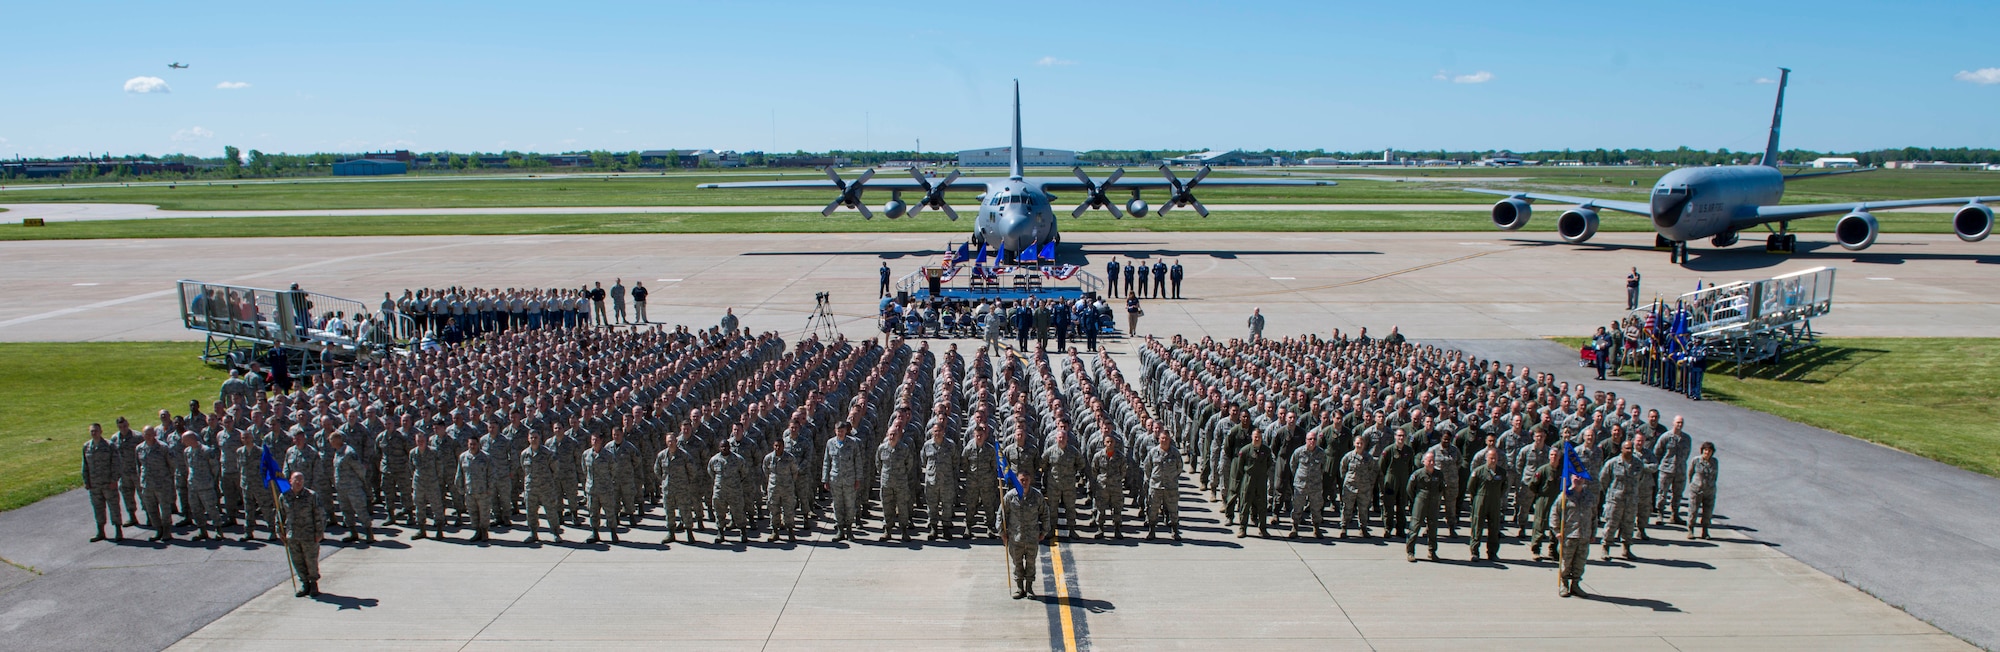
(1501, 159)
(1388, 158)
(1030, 157)
(403, 155)
(808, 161)
(691, 158)
(1218, 159)
(368, 167)
(1835, 162)
(1933, 165)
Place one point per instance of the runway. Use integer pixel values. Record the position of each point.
(66, 212)
(1807, 509)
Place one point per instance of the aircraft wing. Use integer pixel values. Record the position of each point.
(1633, 207)
(1062, 183)
(1797, 211)
(877, 183)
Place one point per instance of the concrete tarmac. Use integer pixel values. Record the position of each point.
(1914, 533)
(1433, 285)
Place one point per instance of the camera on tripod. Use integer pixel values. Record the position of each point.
(820, 298)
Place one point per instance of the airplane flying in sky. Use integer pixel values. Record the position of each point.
(177, 65)
(1720, 202)
(1017, 214)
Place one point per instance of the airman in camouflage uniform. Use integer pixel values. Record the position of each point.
(680, 491)
(1427, 489)
(941, 464)
(1621, 477)
(843, 472)
(305, 523)
(897, 466)
(475, 489)
(427, 481)
(781, 471)
(538, 488)
(982, 481)
(156, 483)
(100, 481)
(600, 488)
(732, 489)
(1108, 476)
(1489, 484)
(1163, 487)
(1309, 488)
(350, 473)
(1358, 478)
(200, 473)
(1023, 514)
(1701, 489)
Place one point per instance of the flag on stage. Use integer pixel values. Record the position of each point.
(273, 476)
(982, 253)
(964, 253)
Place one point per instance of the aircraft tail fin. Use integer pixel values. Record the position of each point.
(1014, 153)
(1777, 114)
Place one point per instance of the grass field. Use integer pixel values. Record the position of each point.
(50, 394)
(811, 222)
(1934, 397)
(1356, 186)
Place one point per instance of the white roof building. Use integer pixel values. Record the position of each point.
(1030, 157)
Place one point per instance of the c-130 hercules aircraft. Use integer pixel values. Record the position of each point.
(1017, 213)
(1718, 202)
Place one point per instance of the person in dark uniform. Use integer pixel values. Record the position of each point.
(1159, 279)
(1088, 323)
(1111, 274)
(1023, 320)
(1059, 319)
(1175, 274)
(1130, 273)
(885, 280)
(1632, 290)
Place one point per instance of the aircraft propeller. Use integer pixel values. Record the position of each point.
(1179, 194)
(1094, 193)
(933, 194)
(850, 193)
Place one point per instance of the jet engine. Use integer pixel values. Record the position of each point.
(1973, 223)
(1857, 230)
(895, 208)
(1576, 225)
(1512, 214)
(1137, 207)
(1723, 239)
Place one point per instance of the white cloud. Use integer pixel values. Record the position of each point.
(193, 134)
(1982, 76)
(1052, 61)
(1763, 80)
(230, 85)
(1480, 77)
(147, 85)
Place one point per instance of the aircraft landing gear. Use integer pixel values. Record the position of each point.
(1661, 243)
(1781, 243)
(1678, 253)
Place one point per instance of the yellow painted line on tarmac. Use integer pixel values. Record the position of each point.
(1062, 597)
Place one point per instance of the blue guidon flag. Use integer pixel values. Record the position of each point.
(273, 476)
(1007, 473)
(1572, 467)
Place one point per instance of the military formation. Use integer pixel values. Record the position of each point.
(1416, 439)
(722, 432)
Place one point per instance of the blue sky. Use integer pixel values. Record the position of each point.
(553, 76)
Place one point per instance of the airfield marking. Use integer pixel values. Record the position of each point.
(1376, 277)
(1062, 596)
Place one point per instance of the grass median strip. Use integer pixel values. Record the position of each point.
(1934, 397)
(50, 393)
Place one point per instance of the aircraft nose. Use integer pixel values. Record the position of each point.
(1667, 207)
